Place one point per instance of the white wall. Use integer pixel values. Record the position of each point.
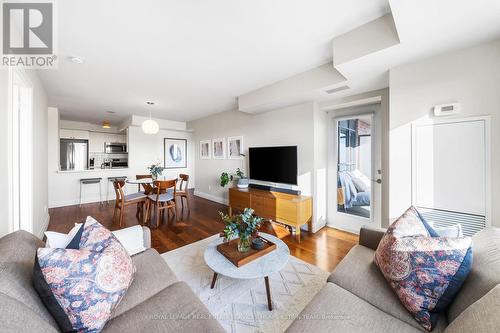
(40, 194)
(303, 125)
(470, 77)
(145, 149)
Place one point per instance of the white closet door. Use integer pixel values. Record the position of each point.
(450, 166)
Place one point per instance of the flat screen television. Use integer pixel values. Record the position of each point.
(274, 164)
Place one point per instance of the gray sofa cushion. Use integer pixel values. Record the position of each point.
(17, 257)
(358, 274)
(16, 317)
(482, 316)
(174, 309)
(152, 276)
(485, 272)
(335, 309)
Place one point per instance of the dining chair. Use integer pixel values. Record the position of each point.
(164, 198)
(123, 201)
(183, 190)
(148, 188)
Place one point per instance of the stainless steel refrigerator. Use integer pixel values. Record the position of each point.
(74, 154)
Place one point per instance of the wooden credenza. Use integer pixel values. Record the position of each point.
(289, 209)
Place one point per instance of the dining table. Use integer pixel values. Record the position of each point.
(143, 181)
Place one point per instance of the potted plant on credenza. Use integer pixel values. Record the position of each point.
(225, 178)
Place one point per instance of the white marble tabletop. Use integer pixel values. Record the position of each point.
(259, 268)
(146, 180)
(140, 181)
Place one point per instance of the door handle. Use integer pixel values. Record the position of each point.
(378, 181)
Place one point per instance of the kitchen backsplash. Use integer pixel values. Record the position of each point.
(99, 158)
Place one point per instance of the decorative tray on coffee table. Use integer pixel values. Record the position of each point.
(230, 251)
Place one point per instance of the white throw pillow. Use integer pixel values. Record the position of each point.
(131, 238)
(59, 240)
(452, 231)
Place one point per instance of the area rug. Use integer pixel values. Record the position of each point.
(241, 305)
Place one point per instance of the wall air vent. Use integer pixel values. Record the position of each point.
(334, 90)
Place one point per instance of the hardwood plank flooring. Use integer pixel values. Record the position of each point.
(324, 249)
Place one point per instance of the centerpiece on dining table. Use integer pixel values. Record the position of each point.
(248, 245)
(156, 170)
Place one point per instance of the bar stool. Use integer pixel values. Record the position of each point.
(86, 181)
(112, 180)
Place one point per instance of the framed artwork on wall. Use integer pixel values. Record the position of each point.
(205, 150)
(219, 148)
(175, 153)
(235, 147)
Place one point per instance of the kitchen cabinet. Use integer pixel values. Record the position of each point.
(97, 140)
(73, 134)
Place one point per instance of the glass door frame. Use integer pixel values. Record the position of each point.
(342, 220)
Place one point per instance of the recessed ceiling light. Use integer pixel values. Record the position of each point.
(111, 112)
(77, 60)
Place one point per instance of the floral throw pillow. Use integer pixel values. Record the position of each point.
(81, 287)
(424, 270)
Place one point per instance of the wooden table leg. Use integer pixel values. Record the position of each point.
(268, 292)
(213, 281)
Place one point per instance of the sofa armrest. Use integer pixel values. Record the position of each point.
(147, 237)
(370, 237)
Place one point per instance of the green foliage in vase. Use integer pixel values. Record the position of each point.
(243, 225)
(155, 170)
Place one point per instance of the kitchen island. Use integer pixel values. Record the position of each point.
(65, 185)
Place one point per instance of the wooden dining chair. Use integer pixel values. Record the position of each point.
(163, 198)
(182, 193)
(123, 201)
(148, 188)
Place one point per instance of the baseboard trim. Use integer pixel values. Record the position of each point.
(211, 197)
(44, 226)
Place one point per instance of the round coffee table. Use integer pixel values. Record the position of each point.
(259, 268)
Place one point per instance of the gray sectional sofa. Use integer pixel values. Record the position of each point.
(358, 299)
(155, 302)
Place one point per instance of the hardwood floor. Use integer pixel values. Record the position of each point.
(324, 249)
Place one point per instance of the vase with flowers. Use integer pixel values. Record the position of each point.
(244, 225)
(155, 170)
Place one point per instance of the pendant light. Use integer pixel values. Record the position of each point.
(105, 124)
(150, 126)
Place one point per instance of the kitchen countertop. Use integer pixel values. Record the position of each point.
(91, 170)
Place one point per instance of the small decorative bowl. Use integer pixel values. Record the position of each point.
(257, 244)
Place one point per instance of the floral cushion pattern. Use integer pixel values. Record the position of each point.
(85, 284)
(424, 271)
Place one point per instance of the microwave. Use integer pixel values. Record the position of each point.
(115, 148)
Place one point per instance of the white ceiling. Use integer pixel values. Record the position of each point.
(192, 57)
